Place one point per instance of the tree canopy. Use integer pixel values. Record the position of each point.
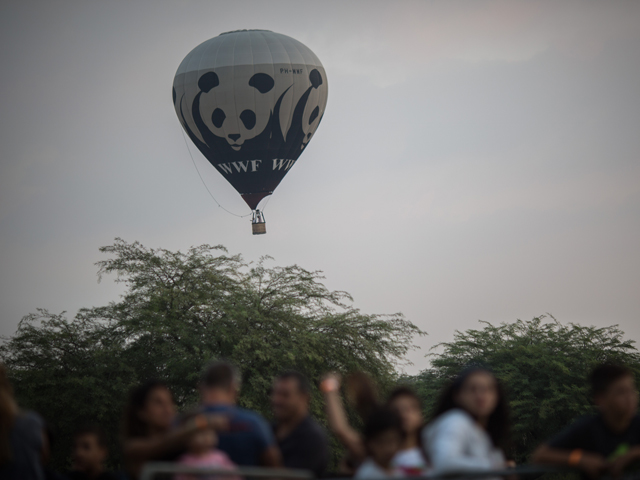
(181, 310)
(543, 364)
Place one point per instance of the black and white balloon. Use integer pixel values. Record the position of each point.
(251, 100)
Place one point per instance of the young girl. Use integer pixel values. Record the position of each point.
(202, 452)
(382, 436)
(470, 427)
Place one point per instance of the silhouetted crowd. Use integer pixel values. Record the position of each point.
(468, 431)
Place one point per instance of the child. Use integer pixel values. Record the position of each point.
(383, 436)
(90, 455)
(202, 452)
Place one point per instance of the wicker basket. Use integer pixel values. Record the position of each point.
(259, 228)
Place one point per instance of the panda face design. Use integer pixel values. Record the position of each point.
(236, 118)
(238, 114)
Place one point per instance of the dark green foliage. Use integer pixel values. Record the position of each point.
(180, 311)
(70, 372)
(543, 364)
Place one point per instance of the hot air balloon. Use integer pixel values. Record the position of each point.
(251, 100)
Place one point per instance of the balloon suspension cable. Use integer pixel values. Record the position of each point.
(205, 185)
(266, 203)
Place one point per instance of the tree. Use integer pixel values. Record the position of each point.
(543, 364)
(72, 372)
(182, 310)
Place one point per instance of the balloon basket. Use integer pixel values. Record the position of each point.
(259, 228)
(258, 223)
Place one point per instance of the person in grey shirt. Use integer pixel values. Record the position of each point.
(22, 444)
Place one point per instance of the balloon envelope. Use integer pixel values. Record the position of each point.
(251, 100)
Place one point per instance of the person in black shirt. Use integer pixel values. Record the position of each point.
(608, 442)
(302, 441)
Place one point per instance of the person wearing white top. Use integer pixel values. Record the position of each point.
(455, 442)
(409, 460)
(470, 426)
(370, 469)
(382, 435)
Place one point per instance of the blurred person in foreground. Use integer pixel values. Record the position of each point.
(148, 427)
(90, 454)
(410, 459)
(202, 453)
(248, 440)
(382, 437)
(470, 428)
(23, 444)
(302, 441)
(607, 442)
(362, 392)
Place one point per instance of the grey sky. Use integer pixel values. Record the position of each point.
(477, 160)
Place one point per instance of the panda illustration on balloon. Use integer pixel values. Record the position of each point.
(243, 128)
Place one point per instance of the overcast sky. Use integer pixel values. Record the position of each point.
(477, 160)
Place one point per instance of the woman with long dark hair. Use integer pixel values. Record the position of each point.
(470, 426)
(405, 402)
(148, 433)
